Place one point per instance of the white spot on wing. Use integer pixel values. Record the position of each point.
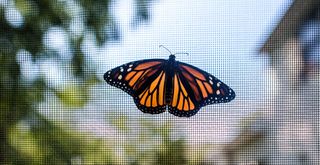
(120, 77)
(218, 92)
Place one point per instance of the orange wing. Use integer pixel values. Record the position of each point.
(194, 88)
(144, 80)
(152, 98)
(182, 103)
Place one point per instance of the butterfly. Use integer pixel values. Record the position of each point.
(159, 84)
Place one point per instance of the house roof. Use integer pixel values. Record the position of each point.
(299, 11)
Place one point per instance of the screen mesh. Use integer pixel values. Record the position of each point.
(56, 107)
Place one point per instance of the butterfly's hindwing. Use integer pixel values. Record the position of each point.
(151, 99)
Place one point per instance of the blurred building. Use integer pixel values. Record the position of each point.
(285, 128)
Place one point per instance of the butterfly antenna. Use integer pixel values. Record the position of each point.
(165, 48)
(175, 53)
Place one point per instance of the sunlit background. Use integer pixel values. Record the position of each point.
(57, 109)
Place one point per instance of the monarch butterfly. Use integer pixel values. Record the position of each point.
(156, 84)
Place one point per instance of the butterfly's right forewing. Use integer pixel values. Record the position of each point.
(195, 88)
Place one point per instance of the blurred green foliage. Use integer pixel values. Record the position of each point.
(151, 143)
(46, 142)
(28, 137)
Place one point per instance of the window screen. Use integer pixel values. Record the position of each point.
(56, 107)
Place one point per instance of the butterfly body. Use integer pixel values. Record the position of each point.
(158, 84)
(170, 67)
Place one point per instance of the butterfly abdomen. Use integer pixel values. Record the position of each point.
(169, 90)
(170, 68)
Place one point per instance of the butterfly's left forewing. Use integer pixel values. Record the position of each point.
(144, 80)
(194, 88)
